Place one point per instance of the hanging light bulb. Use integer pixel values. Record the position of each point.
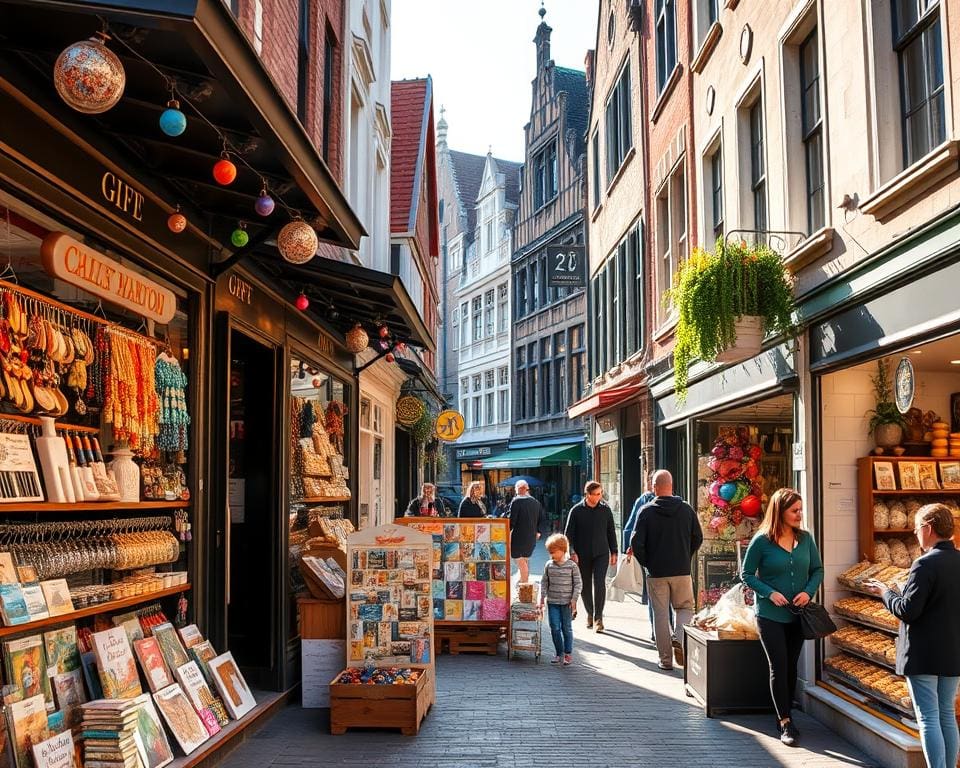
(302, 302)
(264, 205)
(297, 242)
(88, 76)
(239, 237)
(172, 121)
(176, 222)
(224, 171)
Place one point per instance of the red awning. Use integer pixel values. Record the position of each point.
(601, 400)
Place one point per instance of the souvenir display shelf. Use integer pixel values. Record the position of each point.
(394, 706)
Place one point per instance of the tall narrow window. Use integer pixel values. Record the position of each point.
(502, 308)
(477, 318)
(812, 122)
(303, 61)
(917, 41)
(666, 42)
(521, 299)
(464, 324)
(488, 319)
(596, 168)
(618, 124)
(545, 175)
(716, 191)
(758, 171)
(328, 80)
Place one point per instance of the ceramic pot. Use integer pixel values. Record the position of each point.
(887, 435)
(127, 474)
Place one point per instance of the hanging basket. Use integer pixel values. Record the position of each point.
(749, 340)
(356, 339)
(409, 410)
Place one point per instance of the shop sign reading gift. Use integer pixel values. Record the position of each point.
(73, 262)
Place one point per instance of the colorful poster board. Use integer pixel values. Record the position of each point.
(470, 569)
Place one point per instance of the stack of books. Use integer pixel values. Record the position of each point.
(109, 732)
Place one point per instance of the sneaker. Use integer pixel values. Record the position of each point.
(678, 653)
(555, 660)
(567, 660)
(589, 622)
(665, 667)
(599, 625)
(789, 734)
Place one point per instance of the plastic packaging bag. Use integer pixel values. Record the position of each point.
(628, 578)
(733, 615)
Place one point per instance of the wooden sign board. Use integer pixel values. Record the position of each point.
(73, 262)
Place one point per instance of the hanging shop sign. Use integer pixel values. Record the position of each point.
(73, 262)
(566, 266)
(449, 425)
(905, 385)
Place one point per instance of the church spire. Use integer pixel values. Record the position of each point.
(442, 130)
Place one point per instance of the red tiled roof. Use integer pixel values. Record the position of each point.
(409, 111)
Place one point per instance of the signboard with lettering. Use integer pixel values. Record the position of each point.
(469, 453)
(73, 262)
(449, 425)
(566, 266)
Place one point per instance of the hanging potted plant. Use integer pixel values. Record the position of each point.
(886, 421)
(727, 302)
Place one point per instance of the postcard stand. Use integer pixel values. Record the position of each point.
(471, 581)
(389, 626)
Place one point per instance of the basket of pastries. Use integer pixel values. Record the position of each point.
(866, 642)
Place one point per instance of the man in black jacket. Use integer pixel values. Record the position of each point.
(593, 547)
(666, 537)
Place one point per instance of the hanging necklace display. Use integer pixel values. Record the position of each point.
(171, 388)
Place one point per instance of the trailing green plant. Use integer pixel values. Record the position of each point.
(422, 429)
(711, 291)
(885, 410)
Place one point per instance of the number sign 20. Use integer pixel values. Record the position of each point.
(565, 266)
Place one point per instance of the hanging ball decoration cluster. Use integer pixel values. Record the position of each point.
(240, 237)
(172, 121)
(356, 339)
(224, 171)
(302, 302)
(297, 242)
(89, 76)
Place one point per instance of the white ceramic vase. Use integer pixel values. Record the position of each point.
(127, 474)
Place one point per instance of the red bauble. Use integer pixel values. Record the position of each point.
(755, 452)
(224, 172)
(177, 222)
(389, 356)
(302, 302)
(383, 331)
(750, 506)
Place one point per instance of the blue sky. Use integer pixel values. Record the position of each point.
(482, 59)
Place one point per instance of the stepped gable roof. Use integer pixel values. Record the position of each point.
(410, 117)
(574, 82)
(468, 175)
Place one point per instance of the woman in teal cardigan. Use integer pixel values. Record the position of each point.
(783, 567)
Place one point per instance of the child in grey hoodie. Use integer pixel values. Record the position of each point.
(560, 588)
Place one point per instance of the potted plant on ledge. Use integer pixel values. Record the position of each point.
(886, 421)
(726, 303)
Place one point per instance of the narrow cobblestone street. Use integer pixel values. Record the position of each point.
(612, 707)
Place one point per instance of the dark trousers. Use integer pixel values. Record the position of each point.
(594, 575)
(782, 643)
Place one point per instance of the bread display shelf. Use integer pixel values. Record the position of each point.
(860, 618)
(321, 499)
(855, 651)
(903, 706)
(93, 610)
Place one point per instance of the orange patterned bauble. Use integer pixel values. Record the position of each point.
(357, 339)
(297, 242)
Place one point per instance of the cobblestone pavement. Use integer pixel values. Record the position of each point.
(612, 707)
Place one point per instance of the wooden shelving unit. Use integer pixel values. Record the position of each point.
(321, 499)
(93, 610)
(92, 506)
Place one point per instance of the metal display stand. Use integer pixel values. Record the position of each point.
(526, 624)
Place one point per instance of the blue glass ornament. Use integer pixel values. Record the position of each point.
(172, 121)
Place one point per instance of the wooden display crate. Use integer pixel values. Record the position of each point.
(460, 639)
(321, 619)
(381, 706)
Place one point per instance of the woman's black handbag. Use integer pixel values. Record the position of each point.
(815, 622)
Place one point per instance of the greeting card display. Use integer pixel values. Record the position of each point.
(389, 597)
(469, 568)
(233, 688)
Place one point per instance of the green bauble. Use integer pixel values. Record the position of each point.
(239, 237)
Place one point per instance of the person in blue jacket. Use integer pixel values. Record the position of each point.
(783, 567)
(929, 613)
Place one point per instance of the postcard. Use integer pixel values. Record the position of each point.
(475, 590)
(152, 663)
(182, 719)
(498, 572)
(484, 571)
(482, 532)
(485, 550)
(498, 551)
(468, 532)
(453, 610)
(928, 475)
(439, 608)
(453, 571)
(371, 612)
(909, 475)
(883, 472)
(467, 551)
(950, 474)
(471, 610)
(233, 688)
(454, 590)
(498, 532)
(451, 552)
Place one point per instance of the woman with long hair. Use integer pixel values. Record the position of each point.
(472, 504)
(783, 567)
(929, 613)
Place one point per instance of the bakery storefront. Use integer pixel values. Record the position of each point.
(137, 315)
(905, 323)
(729, 446)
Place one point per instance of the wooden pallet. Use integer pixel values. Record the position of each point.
(457, 640)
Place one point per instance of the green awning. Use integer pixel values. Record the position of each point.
(541, 456)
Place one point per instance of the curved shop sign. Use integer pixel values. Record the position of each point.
(449, 425)
(73, 262)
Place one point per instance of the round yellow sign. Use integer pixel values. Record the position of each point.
(449, 425)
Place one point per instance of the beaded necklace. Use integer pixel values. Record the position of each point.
(171, 387)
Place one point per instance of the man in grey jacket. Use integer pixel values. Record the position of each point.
(665, 539)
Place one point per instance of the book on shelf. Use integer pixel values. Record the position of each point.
(69, 693)
(190, 635)
(26, 665)
(91, 675)
(118, 670)
(61, 648)
(197, 690)
(203, 653)
(28, 725)
(174, 654)
(26, 573)
(13, 608)
(232, 687)
(56, 752)
(7, 758)
(152, 663)
(8, 571)
(36, 602)
(187, 727)
(152, 743)
(57, 594)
